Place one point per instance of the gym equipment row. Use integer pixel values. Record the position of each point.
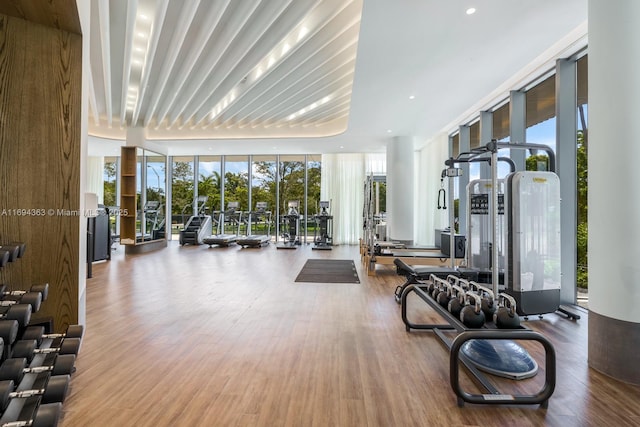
(229, 225)
(516, 232)
(485, 327)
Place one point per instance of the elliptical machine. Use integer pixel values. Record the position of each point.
(323, 231)
(291, 225)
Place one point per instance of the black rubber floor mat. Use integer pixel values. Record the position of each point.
(328, 271)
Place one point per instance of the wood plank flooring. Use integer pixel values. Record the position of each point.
(193, 336)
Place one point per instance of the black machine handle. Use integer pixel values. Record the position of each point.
(442, 194)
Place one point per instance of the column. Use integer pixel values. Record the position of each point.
(614, 271)
(566, 124)
(486, 134)
(462, 181)
(400, 206)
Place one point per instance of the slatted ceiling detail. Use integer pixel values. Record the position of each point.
(323, 13)
(501, 122)
(93, 103)
(257, 44)
(185, 19)
(208, 78)
(186, 44)
(276, 89)
(214, 42)
(289, 95)
(153, 45)
(210, 54)
(292, 85)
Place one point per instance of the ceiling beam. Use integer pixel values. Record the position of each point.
(132, 7)
(105, 45)
(224, 48)
(158, 22)
(214, 16)
(92, 98)
(185, 20)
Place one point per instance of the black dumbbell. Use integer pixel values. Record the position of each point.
(37, 333)
(46, 415)
(15, 250)
(8, 331)
(472, 315)
(4, 257)
(55, 391)
(29, 348)
(20, 246)
(15, 368)
(43, 289)
(505, 316)
(34, 299)
(19, 312)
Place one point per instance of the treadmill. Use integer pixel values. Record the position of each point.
(232, 217)
(259, 216)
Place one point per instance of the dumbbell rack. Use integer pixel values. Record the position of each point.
(21, 409)
(29, 408)
(492, 396)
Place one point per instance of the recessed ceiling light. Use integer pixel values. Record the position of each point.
(388, 130)
(342, 146)
(412, 97)
(471, 11)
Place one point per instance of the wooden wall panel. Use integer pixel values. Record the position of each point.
(40, 107)
(59, 14)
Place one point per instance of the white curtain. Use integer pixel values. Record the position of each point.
(427, 216)
(342, 183)
(95, 177)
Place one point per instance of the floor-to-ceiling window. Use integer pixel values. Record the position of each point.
(263, 190)
(314, 170)
(582, 145)
(474, 142)
(291, 186)
(182, 186)
(209, 181)
(236, 181)
(110, 196)
(110, 176)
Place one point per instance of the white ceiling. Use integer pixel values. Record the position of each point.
(360, 81)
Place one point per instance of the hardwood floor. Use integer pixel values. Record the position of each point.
(192, 336)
